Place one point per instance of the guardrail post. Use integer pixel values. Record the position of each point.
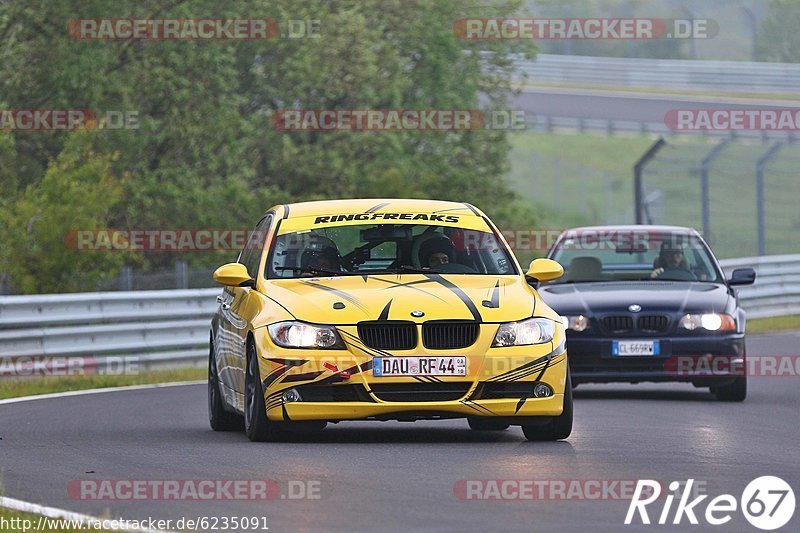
(760, 216)
(638, 190)
(181, 275)
(704, 196)
(126, 279)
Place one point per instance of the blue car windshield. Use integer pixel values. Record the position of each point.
(597, 256)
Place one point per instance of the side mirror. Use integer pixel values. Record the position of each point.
(742, 276)
(544, 270)
(233, 275)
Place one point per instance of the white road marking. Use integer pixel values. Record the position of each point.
(53, 512)
(61, 514)
(97, 391)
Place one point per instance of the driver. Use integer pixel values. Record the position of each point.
(670, 257)
(437, 251)
(321, 254)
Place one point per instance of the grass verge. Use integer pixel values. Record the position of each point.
(12, 388)
(778, 323)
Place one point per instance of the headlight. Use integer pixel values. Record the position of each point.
(531, 331)
(302, 335)
(576, 323)
(708, 321)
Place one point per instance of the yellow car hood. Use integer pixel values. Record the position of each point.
(351, 299)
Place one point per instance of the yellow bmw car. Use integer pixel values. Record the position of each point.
(384, 310)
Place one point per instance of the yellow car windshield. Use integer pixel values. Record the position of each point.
(352, 247)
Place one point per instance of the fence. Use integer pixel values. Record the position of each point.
(170, 328)
(743, 195)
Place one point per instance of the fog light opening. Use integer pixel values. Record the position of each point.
(542, 391)
(290, 396)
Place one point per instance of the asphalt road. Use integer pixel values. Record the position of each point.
(641, 107)
(395, 476)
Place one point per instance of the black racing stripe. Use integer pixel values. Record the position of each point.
(376, 207)
(476, 404)
(494, 300)
(449, 209)
(409, 284)
(285, 413)
(356, 342)
(275, 374)
(308, 376)
(458, 292)
(286, 211)
(525, 366)
(471, 208)
(385, 313)
(288, 362)
(476, 407)
(353, 300)
(281, 305)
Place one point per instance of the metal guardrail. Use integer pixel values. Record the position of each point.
(776, 291)
(729, 76)
(170, 328)
(613, 126)
(152, 329)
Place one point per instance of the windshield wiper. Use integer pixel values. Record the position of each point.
(317, 271)
(402, 269)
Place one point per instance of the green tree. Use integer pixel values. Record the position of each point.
(205, 153)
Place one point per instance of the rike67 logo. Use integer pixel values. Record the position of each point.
(767, 502)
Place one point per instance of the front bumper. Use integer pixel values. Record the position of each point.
(704, 361)
(340, 385)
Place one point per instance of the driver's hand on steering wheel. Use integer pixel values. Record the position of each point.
(657, 272)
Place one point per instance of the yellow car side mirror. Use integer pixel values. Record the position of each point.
(233, 275)
(544, 270)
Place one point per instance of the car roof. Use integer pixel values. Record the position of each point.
(633, 227)
(364, 205)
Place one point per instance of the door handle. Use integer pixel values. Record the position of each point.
(219, 299)
(225, 307)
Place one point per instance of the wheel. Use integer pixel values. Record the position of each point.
(256, 424)
(486, 424)
(218, 417)
(559, 427)
(733, 392)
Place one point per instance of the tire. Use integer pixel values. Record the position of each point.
(486, 424)
(733, 392)
(559, 427)
(219, 418)
(256, 424)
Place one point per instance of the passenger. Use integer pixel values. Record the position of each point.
(436, 252)
(320, 255)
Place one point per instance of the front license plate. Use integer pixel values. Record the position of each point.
(419, 366)
(634, 348)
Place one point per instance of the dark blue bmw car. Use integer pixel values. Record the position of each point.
(649, 303)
